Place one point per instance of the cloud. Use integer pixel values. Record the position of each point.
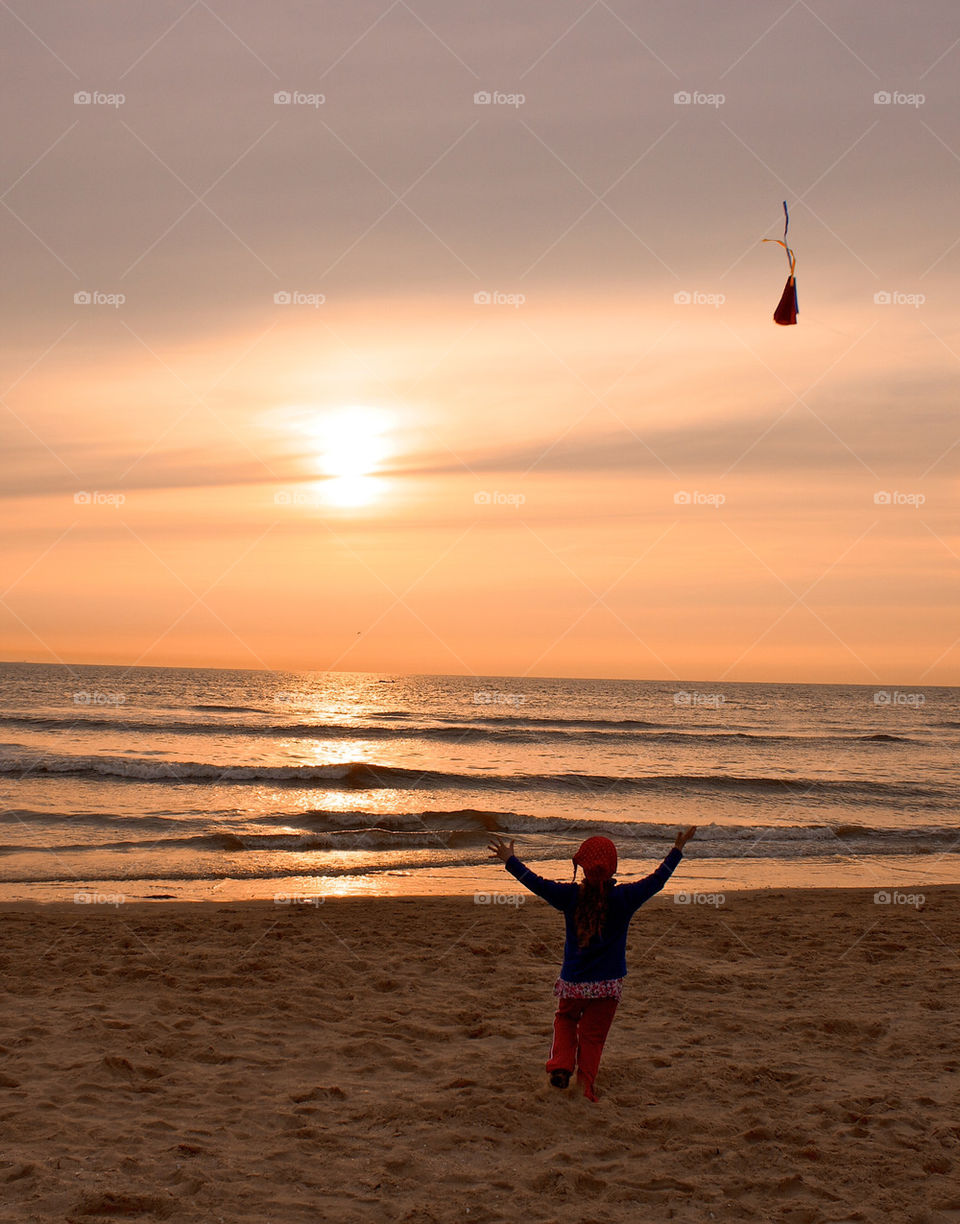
(787, 440)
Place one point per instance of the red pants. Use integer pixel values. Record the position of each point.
(580, 1028)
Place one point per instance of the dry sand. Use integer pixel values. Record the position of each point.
(789, 1056)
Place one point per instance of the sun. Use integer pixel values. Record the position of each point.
(351, 446)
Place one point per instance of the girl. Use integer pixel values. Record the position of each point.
(597, 913)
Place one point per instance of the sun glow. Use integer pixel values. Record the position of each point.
(350, 448)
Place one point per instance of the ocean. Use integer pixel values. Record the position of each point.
(124, 784)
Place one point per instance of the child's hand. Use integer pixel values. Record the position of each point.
(500, 849)
(683, 836)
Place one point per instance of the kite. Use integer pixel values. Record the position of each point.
(786, 312)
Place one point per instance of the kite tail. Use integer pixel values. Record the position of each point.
(787, 308)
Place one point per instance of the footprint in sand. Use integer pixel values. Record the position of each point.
(16, 1172)
(122, 1205)
(317, 1094)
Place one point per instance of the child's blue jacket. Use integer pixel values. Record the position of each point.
(605, 956)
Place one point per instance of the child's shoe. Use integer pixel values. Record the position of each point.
(560, 1079)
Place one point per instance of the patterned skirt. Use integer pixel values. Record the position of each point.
(610, 989)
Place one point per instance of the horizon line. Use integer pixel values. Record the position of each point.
(462, 675)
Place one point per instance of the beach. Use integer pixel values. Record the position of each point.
(779, 1055)
(443, 434)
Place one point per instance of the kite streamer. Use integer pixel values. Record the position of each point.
(786, 312)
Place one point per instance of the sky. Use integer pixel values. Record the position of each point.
(437, 337)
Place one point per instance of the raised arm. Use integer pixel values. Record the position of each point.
(552, 891)
(648, 887)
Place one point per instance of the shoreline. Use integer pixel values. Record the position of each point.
(172, 905)
(694, 876)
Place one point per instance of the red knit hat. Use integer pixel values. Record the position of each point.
(598, 858)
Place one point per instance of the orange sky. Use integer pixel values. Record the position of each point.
(588, 475)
